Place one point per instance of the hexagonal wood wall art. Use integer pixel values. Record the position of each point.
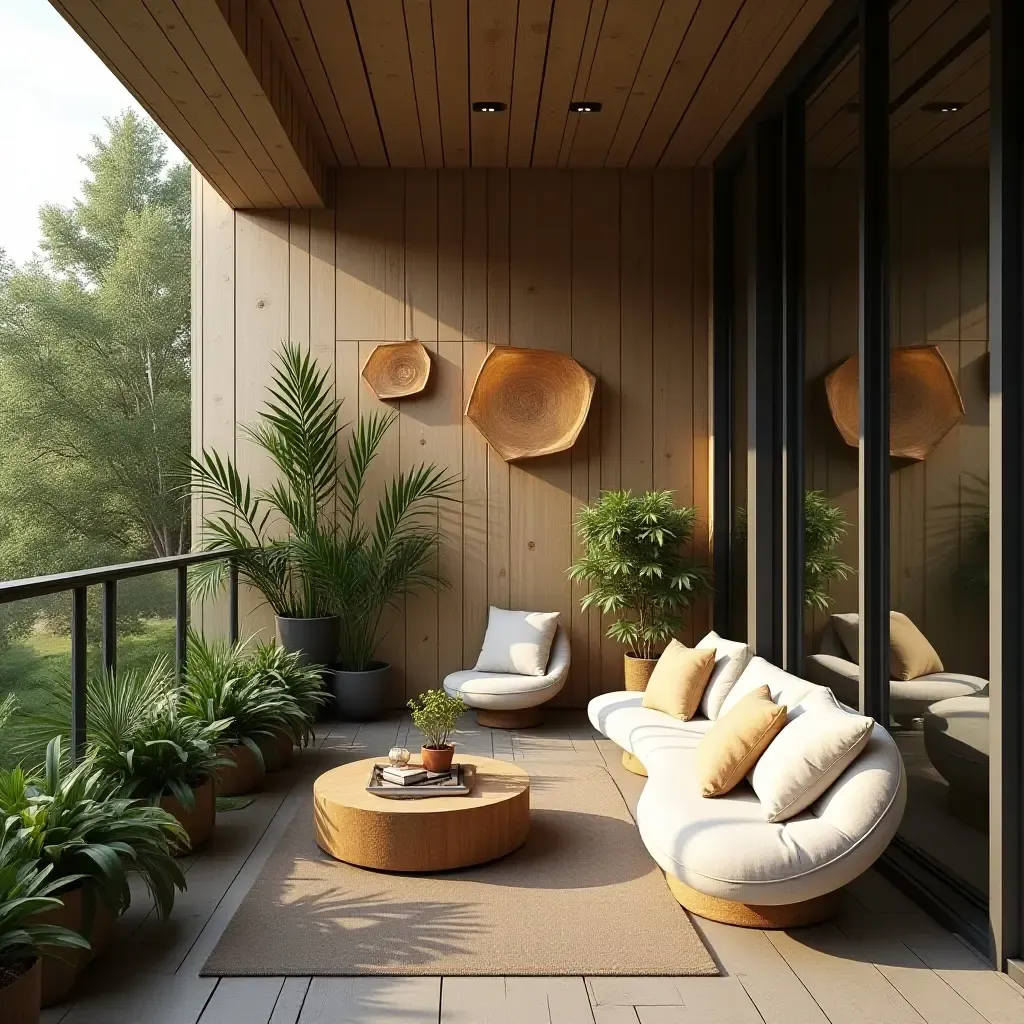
(924, 401)
(529, 402)
(397, 369)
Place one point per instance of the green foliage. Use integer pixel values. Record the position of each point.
(637, 567)
(304, 683)
(26, 890)
(824, 527)
(80, 827)
(436, 714)
(7, 708)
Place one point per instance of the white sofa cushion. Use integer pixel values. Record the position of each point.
(820, 740)
(517, 642)
(731, 659)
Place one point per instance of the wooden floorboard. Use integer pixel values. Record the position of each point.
(883, 961)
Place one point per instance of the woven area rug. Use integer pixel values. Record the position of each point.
(581, 896)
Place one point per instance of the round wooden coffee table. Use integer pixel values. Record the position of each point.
(431, 834)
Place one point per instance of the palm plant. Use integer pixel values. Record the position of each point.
(824, 527)
(637, 567)
(304, 683)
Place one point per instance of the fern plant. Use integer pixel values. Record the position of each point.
(636, 565)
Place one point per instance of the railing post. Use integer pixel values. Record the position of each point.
(79, 658)
(180, 620)
(233, 600)
(110, 626)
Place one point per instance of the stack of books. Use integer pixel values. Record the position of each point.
(405, 776)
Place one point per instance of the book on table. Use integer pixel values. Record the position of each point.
(404, 776)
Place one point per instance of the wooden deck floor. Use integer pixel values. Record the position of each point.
(883, 960)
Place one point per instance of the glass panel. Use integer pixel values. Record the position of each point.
(938, 139)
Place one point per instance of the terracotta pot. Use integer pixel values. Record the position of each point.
(19, 999)
(278, 751)
(243, 775)
(198, 820)
(437, 759)
(60, 968)
(638, 671)
(99, 921)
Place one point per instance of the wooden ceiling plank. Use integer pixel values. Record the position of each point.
(493, 28)
(959, 73)
(796, 32)
(944, 127)
(753, 35)
(568, 29)
(669, 30)
(967, 148)
(451, 30)
(306, 67)
(834, 93)
(419, 22)
(625, 35)
(335, 37)
(97, 32)
(707, 30)
(532, 31)
(579, 89)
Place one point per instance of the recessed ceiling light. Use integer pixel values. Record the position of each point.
(942, 107)
(584, 107)
(489, 107)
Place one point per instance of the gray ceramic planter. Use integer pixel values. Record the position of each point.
(316, 639)
(360, 696)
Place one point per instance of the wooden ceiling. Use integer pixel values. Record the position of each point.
(263, 95)
(939, 53)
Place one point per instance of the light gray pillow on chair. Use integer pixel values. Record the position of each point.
(517, 642)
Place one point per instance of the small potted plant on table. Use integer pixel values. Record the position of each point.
(435, 714)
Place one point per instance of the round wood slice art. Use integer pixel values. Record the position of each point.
(529, 402)
(924, 401)
(397, 369)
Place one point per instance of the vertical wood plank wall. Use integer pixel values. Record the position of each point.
(939, 261)
(612, 267)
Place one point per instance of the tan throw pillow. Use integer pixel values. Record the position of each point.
(731, 747)
(678, 680)
(910, 653)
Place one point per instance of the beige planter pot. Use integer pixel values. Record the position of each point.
(19, 999)
(198, 820)
(637, 671)
(60, 969)
(278, 751)
(244, 774)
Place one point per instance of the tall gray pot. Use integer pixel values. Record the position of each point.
(315, 639)
(360, 696)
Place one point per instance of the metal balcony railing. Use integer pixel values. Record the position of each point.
(108, 577)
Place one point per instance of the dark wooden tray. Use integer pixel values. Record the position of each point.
(458, 782)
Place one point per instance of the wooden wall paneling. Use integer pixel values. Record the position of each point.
(709, 26)
(492, 50)
(418, 20)
(565, 43)
(322, 289)
(672, 25)
(474, 448)
(625, 33)
(422, 416)
(196, 608)
(532, 28)
(450, 32)
(298, 277)
(968, 148)
(380, 26)
(335, 36)
(580, 90)
(499, 280)
(540, 316)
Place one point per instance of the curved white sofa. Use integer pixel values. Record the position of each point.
(504, 700)
(733, 864)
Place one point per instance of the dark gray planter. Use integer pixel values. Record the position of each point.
(315, 639)
(360, 696)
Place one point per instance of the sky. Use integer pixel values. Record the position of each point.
(54, 94)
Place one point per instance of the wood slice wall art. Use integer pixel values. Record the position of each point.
(924, 400)
(397, 369)
(529, 402)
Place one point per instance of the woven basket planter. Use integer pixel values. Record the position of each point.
(397, 370)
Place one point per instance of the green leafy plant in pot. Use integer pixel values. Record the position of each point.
(637, 568)
(272, 531)
(436, 714)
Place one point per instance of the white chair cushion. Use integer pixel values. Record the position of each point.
(517, 642)
(731, 658)
(820, 740)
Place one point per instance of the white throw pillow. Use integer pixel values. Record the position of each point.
(731, 659)
(517, 642)
(819, 742)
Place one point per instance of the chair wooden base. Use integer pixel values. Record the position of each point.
(748, 915)
(633, 764)
(520, 718)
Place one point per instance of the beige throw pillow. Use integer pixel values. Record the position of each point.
(517, 642)
(821, 740)
(910, 653)
(731, 747)
(678, 680)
